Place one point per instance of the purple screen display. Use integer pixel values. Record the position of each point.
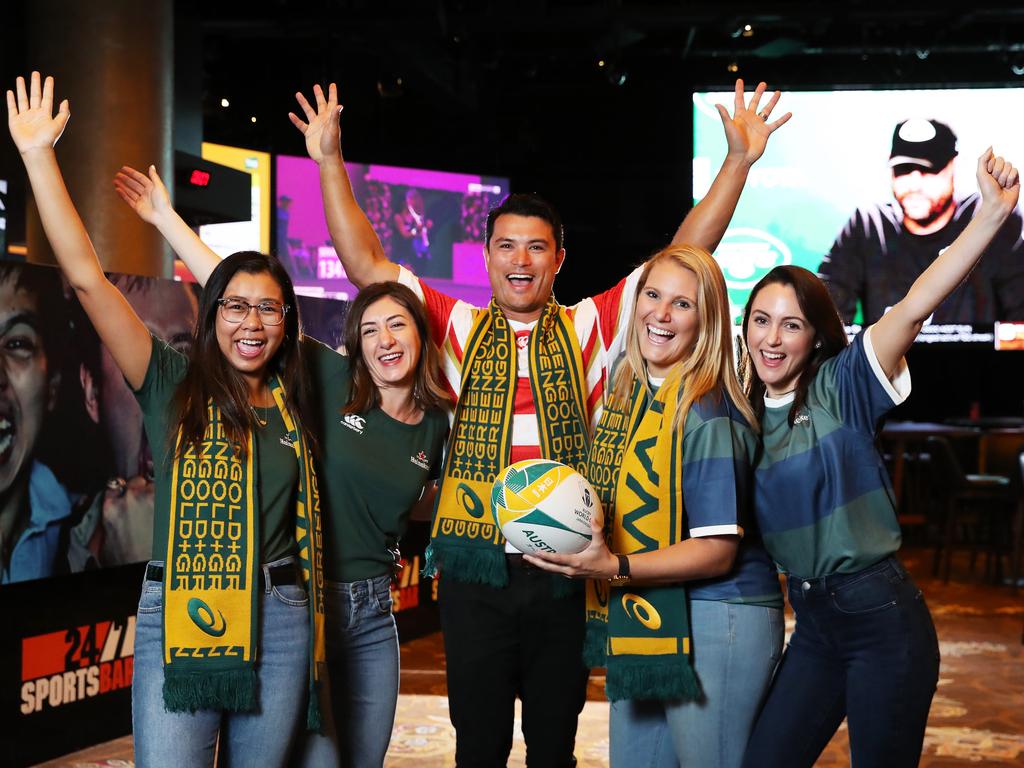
(430, 221)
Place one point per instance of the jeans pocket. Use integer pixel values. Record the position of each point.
(152, 598)
(382, 597)
(872, 593)
(290, 594)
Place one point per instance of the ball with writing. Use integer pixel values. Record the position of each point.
(544, 506)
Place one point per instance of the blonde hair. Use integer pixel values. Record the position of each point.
(710, 364)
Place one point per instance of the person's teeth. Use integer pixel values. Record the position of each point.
(773, 355)
(659, 331)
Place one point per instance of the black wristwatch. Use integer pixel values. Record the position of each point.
(622, 577)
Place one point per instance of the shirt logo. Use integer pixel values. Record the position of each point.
(802, 418)
(420, 460)
(354, 422)
(286, 441)
(202, 616)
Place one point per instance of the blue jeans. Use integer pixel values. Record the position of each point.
(362, 658)
(735, 651)
(263, 737)
(864, 648)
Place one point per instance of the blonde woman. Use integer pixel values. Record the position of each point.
(691, 629)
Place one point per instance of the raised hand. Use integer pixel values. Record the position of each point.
(748, 129)
(998, 182)
(321, 128)
(30, 115)
(146, 195)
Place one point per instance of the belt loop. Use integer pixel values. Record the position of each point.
(268, 585)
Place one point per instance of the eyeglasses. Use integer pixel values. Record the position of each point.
(236, 310)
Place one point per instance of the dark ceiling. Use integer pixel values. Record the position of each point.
(585, 102)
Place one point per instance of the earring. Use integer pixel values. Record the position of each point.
(817, 345)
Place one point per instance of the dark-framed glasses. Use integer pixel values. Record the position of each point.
(236, 310)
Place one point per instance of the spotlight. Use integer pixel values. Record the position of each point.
(1017, 67)
(748, 31)
(922, 53)
(600, 63)
(225, 103)
(252, 119)
(732, 67)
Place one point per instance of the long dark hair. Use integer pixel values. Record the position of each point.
(829, 335)
(211, 377)
(427, 391)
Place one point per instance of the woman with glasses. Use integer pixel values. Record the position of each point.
(382, 423)
(226, 634)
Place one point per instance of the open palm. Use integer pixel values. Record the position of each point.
(321, 127)
(30, 115)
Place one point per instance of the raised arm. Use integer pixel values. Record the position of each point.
(147, 196)
(35, 131)
(746, 133)
(353, 236)
(893, 334)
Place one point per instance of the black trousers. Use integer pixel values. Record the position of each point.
(501, 643)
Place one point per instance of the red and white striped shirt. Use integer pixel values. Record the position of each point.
(600, 323)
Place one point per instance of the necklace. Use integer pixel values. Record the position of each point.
(256, 414)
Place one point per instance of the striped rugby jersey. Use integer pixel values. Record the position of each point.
(718, 450)
(600, 323)
(823, 497)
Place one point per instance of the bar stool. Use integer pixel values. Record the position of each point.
(977, 503)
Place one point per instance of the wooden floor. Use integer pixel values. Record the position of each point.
(977, 717)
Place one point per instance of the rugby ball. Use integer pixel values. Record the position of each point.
(544, 506)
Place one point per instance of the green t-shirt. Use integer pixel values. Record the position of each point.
(372, 470)
(277, 465)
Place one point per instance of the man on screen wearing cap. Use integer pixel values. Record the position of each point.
(882, 249)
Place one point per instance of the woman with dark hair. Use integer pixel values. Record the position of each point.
(864, 647)
(226, 636)
(380, 415)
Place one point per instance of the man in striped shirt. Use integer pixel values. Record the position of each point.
(520, 639)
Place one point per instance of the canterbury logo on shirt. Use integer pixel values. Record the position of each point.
(420, 460)
(354, 422)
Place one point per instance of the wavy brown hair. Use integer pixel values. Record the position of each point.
(710, 365)
(210, 377)
(428, 391)
(829, 335)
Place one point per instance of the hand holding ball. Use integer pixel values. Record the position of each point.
(544, 506)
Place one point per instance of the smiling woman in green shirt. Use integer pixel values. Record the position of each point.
(380, 414)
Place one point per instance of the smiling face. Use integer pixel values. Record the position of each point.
(522, 262)
(390, 343)
(249, 346)
(27, 388)
(779, 338)
(666, 319)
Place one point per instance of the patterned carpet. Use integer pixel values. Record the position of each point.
(977, 717)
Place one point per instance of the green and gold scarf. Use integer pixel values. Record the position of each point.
(211, 574)
(465, 542)
(642, 634)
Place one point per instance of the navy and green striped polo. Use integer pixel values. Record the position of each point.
(823, 498)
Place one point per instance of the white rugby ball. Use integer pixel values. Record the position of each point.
(544, 506)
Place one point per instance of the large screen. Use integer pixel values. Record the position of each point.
(866, 188)
(431, 221)
(251, 235)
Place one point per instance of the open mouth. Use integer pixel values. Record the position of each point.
(659, 335)
(6, 439)
(390, 358)
(519, 279)
(772, 359)
(249, 348)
